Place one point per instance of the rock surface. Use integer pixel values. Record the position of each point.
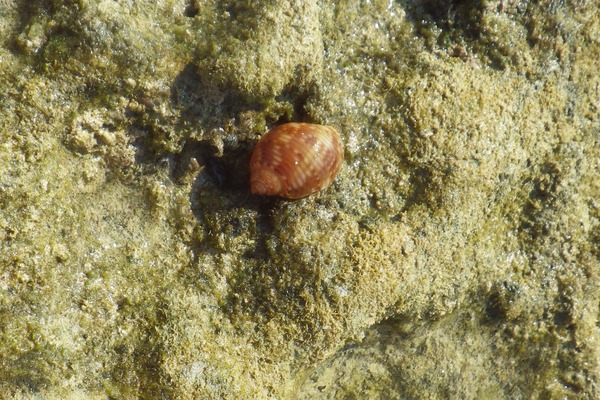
(457, 254)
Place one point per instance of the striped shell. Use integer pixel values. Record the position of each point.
(295, 160)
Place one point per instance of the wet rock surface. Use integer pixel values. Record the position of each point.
(455, 255)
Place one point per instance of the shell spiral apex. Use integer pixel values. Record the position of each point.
(295, 160)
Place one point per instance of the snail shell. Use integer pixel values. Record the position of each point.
(295, 160)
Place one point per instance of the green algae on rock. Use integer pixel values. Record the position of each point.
(461, 242)
(254, 49)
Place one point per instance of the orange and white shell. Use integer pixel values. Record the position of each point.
(295, 160)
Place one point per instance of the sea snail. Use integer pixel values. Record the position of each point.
(295, 160)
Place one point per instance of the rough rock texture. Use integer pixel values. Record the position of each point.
(457, 254)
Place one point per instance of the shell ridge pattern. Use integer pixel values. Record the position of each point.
(305, 157)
